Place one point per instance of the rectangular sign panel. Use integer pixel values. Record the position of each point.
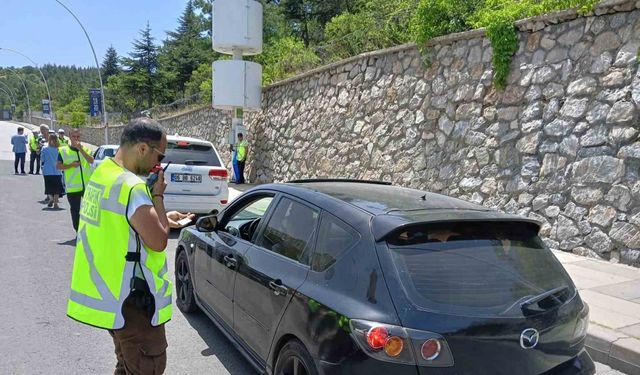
(95, 98)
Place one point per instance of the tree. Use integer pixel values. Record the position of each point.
(308, 17)
(110, 65)
(185, 49)
(374, 24)
(140, 78)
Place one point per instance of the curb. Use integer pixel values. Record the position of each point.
(612, 348)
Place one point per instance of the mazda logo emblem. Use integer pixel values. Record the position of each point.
(529, 338)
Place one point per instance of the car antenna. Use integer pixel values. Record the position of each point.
(424, 197)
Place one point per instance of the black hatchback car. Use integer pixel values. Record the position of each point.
(353, 277)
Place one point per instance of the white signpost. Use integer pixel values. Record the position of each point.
(237, 84)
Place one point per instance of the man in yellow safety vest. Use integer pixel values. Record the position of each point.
(75, 161)
(120, 281)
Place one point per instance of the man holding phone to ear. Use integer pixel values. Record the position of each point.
(120, 281)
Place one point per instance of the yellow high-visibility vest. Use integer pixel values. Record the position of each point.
(101, 279)
(75, 179)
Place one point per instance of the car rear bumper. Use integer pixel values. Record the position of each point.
(197, 204)
(582, 364)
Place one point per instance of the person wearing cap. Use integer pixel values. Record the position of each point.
(75, 161)
(64, 141)
(35, 146)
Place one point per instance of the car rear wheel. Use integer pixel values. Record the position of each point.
(294, 359)
(185, 298)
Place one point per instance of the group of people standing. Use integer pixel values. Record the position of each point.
(66, 165)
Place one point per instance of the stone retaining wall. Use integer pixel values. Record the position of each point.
(559, 144)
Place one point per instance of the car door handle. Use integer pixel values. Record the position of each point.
(230, 261)
(278, 288)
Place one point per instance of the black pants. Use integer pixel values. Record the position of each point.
(240, 179)
(74, 207)
(35, 158)
(20, 157)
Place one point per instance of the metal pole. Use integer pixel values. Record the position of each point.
(104, 115)
(43, 79)
(13, 94)
(9, 95)
(26, 92)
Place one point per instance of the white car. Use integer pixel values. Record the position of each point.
(103, 152)
(197, 181)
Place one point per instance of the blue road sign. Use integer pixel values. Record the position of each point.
(95, 98)
(46, 108)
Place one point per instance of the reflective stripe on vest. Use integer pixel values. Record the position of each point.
(101, 276)
(75, 179)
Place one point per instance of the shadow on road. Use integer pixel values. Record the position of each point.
(71, 242)
(219, 345)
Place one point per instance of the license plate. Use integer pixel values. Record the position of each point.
(185, 177)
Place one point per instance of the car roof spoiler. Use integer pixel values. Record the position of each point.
(302, 181)
(384, 225)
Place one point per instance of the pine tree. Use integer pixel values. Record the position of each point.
(143, 67)
(110, 65)
(186, 48)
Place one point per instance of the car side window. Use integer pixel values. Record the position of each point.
(290, 230)
(334, 238)
(244, 222)
(99, 153)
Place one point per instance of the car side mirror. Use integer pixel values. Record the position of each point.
(207, 223)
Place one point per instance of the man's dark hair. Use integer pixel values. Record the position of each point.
(20, 130)
(240, 135)
(141, 130)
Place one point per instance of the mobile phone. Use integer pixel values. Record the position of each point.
(184, 221)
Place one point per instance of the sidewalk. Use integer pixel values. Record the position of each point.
(613, 294)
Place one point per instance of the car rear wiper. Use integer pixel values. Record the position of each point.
(552, 294)
(195, 162)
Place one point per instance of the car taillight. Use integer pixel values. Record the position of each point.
(223, 201)
(377, 337)
(218, 174)
(392, 343)
(430, 350)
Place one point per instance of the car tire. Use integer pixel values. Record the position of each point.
(185, 294)
(293, 354)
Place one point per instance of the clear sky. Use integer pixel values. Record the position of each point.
(47, 33)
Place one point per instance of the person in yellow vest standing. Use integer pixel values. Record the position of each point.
(242, 149)
(64, 141)
(120, 281)
(34, 147)
(75, 161)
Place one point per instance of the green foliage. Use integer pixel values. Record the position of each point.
(375, 24)
(185, 49)
(440, 17)
(286, 57)
(200, 82)
(110, 66)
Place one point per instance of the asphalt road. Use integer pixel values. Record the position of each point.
(36, 337)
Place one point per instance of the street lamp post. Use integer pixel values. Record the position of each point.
(26, 92)
(43, 79)
(9, 95)
(13, 94)
(104, 114)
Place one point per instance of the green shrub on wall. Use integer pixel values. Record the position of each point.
(440, 17)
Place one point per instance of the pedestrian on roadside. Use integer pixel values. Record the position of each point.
(122, 218)
(75, 161)
(19, 142)
(35, 147)
(44, 139)
(52, 176)
(64, 141)
(241, 154)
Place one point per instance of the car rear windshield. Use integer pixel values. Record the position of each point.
(478, 269)
(191, 154)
